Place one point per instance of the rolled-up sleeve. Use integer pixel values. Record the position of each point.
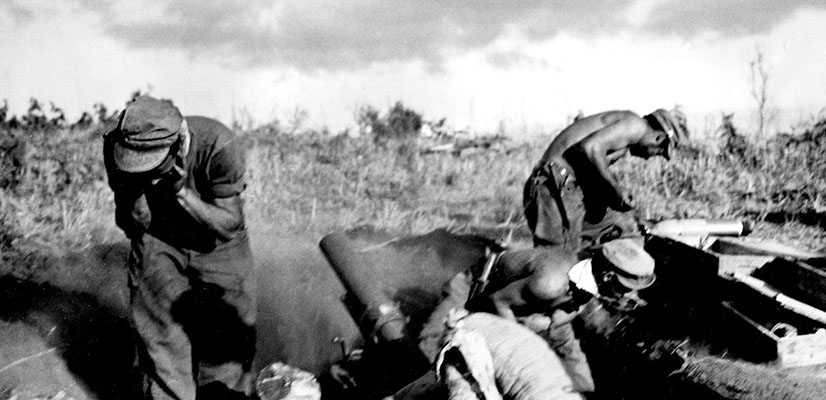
(225, 171)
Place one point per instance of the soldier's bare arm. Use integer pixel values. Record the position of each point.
(609, 143)
(224, 216)
(504, 299)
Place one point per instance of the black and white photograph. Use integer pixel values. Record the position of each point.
(396, 200)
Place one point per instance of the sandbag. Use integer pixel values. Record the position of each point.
(280, 381)
(464, 363)
(525, 367)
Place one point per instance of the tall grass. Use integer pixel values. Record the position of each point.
(314, 182)
(318, 183)
(61, 200)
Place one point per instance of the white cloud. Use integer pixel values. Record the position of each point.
(514, 77)
(638, 12)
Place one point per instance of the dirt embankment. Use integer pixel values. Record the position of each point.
(59, 330)
(726, 379)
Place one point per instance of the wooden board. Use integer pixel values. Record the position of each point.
(797, 280)
(804, 350)
(745, 264)
(753, 246)
(791, 351)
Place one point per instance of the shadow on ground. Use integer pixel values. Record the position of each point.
(66, 327)
(94, 343)
(75, 317)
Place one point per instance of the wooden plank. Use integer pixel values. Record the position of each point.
(782, 299)
(797, 280)
(754, 325)
(792, 351)
(745, 337)
(752, 246)
(677, 260)
(744, 264)
(803, 350)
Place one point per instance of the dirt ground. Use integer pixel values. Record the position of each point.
(56, 335)
(67, 335)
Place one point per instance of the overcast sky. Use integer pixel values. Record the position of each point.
(479, 63)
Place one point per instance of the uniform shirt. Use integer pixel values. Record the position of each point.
(215, 169)
(582, 276)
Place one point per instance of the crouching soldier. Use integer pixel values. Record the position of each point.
(533, 286)
(177, 184)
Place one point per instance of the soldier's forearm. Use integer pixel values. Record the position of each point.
(224, 218)
(504, 310)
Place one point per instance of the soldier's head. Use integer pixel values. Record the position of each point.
(147, 137)
(669, 129)
(622, 268)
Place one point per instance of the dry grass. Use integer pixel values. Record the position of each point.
(313, 183)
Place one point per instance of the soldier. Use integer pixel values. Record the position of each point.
(571, 198)
(177, 184)
(533, 286)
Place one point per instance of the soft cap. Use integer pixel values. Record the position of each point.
(146, 130)
(633, 266)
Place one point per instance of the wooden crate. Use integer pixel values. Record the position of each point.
(740, 254)
(801, 349)
(732, 258)
(733, 315)
(796, 279)
(710, 253)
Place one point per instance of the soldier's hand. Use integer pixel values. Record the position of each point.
(173, 181)
(536, 322)
(624, 204)
(562, 317)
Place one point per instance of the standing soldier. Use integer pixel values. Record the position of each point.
(177, 183)
(571, 198)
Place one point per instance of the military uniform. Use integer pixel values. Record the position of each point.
(511, 266)
(192, 294)
(562, 209)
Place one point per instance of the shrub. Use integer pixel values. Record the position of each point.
(399, 124)
(314, 182)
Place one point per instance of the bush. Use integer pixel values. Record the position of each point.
(314, 182)
(12, 159)
(400, 123)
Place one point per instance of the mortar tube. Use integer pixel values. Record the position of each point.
(383, 318)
